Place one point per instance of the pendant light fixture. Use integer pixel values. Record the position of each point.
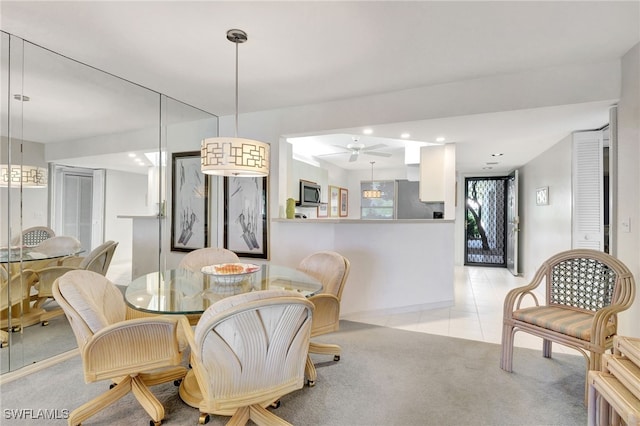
(16, 175)
(225, 156)
(372, 193)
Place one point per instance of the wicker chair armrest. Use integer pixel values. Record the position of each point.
(71, 261)
(326, 312)
(130, 347)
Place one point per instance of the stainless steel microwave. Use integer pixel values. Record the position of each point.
(309, 194)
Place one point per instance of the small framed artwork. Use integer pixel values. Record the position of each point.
(542, 196)
(344, 202)
(334, 201)
(189, 210)
(323, 210)
(245, 216)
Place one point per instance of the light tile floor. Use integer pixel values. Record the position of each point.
(476, 314)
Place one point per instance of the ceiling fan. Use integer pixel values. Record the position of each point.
(356, 148)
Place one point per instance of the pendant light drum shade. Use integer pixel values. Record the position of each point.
(22, 175)
(234, 157)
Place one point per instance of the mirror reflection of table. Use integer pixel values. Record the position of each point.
(16, 259)
(180, 291)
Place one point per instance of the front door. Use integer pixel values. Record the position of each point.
(485, 213)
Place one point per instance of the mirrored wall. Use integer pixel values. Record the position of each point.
(86, 155)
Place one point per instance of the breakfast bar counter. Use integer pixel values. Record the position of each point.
(396, 265)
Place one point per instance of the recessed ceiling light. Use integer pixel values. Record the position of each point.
(497, 154)
(367, 131)
(440, 139)
(405, 135)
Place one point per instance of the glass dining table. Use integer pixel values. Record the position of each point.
(181, 291)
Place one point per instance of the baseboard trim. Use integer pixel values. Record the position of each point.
(37, 366)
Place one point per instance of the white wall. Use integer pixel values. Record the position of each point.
(126, 194)
(545, 230)
(628, 244)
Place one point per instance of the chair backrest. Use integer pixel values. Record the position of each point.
(100, 258)
(90, 302)
(60, 245)
(252, 347)
(331, 268)
(196, 259)
(587, 280)
(33, 236)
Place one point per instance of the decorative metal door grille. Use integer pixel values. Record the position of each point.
(485, 230)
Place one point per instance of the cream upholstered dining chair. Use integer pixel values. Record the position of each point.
(98, 260)
(196, 259)
(585, 292)
(249, 350)
(332, 270)
(60, 245)
(133, 353)
(33, 236)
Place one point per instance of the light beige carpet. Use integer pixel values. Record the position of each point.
(385, 377)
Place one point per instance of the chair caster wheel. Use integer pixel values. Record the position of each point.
(204, 419)
(154, 423)
(276, 404)
(311, 383)
(45, 323)
(336, 357)
(112, 385)
(177, 382)
(16, 329)
(4, 344)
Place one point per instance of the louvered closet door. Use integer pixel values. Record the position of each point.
(587, 189)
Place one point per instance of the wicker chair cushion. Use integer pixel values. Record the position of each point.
(565, 321)
(328, 267)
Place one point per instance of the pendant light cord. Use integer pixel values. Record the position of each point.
(236, 135)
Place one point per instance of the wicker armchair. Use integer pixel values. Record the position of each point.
(133, 353)
(585, 291)
(196, 259)
(247, 351)
(332, 269)
(33, 236)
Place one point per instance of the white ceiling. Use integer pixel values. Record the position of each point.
(303, 52)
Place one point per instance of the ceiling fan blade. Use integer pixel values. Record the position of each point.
(332, 153)
(344, 148)
(353, 157)
(379, 154)
(372, 147)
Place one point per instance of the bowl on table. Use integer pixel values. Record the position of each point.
(230, 273)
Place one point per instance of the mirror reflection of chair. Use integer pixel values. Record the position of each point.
(98, 260)
(247, 351)
(196, 259)
(33, 236)
(332, 269)
(60, 245)
(585, 292)
(133, 353)
(14, 292)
